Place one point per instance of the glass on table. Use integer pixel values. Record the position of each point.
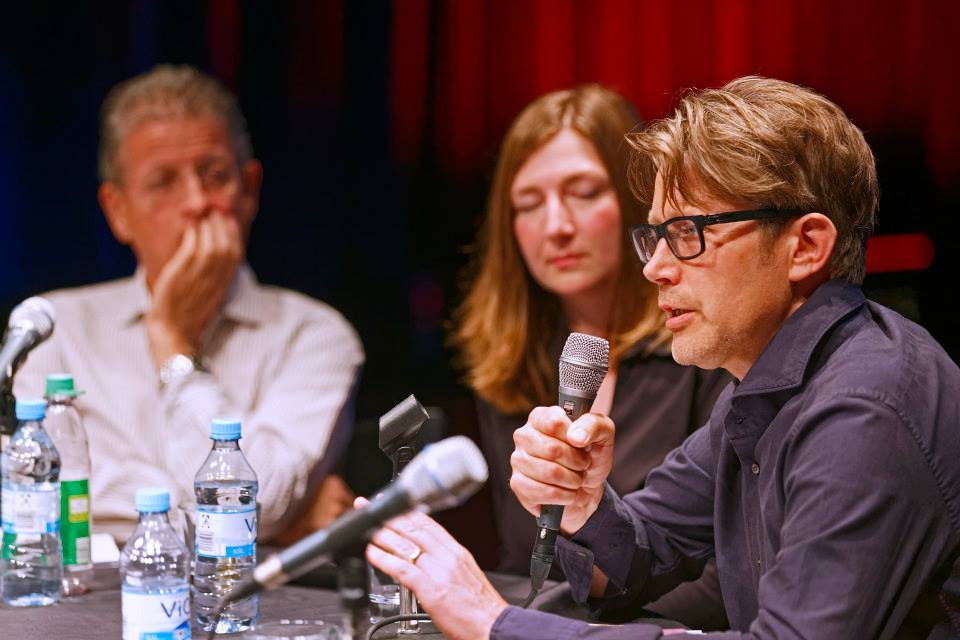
(296, 629)
(384, 596)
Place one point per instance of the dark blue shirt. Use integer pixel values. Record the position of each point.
(826, 484)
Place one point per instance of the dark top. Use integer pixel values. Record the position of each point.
(827, 484)
(656, 405)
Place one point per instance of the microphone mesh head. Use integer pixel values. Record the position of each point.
(37, 312)
(583, 363)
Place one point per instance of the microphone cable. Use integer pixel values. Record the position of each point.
(421, 617)
(541, 560)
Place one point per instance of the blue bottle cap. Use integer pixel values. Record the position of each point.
(152, 500)
(31, 409)
(225, 429)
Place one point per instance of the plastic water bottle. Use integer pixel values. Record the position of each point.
(226, 529)
(30, 570)
(66, 429)
(154, 569)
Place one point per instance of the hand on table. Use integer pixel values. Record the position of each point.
(564, 463)
(331, 500)
(422, 556)
(192, 285)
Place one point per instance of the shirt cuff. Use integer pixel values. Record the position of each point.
(515, 623)
(524, 624)
(606, 540)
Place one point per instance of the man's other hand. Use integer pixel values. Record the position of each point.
(422, 556)
(331, 500)
(559, 462)
(192, 285)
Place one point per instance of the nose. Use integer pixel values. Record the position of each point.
(196, 200)
(663, 266)
(559, 217)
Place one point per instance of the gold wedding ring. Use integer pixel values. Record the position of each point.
(412, 558)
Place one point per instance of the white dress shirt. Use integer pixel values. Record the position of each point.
(284, 363)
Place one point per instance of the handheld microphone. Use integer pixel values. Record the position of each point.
(443, 476)
(31, 322)
(583, 366)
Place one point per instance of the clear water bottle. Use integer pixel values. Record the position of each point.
(226, 530)
(154, 569)
(30, 570)
(65, 427)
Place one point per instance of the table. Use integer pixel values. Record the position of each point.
(97, 614)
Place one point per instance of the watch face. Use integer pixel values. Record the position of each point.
(182, 364)
(176, 366)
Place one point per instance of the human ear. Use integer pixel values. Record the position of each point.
(813, 237)
(113, 202)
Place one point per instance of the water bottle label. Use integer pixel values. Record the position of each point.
(229, 534)
(156, 616)
(31, 509)
(75, 521)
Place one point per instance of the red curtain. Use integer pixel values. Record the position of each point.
(888, 64)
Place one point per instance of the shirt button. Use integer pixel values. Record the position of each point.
(755, 468)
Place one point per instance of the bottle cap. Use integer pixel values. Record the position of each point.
(61, 384)
(225, 429)
(31, 409)
(152, 500)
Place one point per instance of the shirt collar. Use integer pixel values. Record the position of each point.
(240, 304)
(783, 362)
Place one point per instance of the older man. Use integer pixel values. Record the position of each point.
(825, 483)
(192, 335)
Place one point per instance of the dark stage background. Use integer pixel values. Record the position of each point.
(377, 124)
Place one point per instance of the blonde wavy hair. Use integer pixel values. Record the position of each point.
(771, 143)
(507, 323)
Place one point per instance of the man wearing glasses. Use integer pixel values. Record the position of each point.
(826, 483)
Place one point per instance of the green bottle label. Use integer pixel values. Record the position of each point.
(75, 521)
(8, 540)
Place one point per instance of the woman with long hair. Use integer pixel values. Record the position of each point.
(553, 257)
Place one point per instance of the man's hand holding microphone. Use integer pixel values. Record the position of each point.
(557, 461)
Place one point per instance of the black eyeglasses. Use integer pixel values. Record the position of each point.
(684, 234)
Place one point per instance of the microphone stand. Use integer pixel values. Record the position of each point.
(408, 601)
(352, 587)
(398, 434)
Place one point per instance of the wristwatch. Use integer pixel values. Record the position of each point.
(175, 367)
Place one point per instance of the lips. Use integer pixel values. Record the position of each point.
(565, 260)
(677, 317)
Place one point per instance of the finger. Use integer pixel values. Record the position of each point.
(591, 429)
(425, 532)
(532, 493)
(546, 447)
(360, 502)
(546, 471)
(218, 232)
(188, 246)
(405, 572)
(180, 259)
(207, 244)
(552, 421)
(233, 236)
(228, 237)
(391, 541)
